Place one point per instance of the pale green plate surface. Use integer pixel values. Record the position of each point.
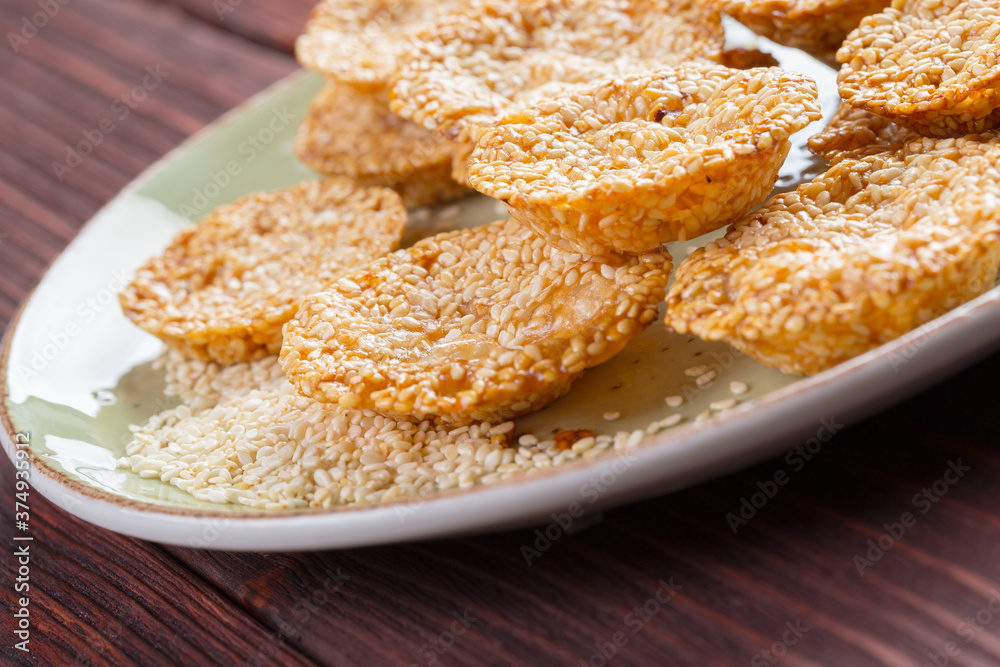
(78, 373)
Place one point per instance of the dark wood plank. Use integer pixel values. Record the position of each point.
(273, 24)
(63, 83)
(98, 598)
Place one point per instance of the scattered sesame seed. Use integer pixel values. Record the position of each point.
(738, 388)
(612, 416)
(664, 423)
(674, 401)
(672, 420)
(873, 217)
(248, 437)
(501, 429)
(695, 371)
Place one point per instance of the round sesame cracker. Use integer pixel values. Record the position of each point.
(475, 62)
(479, 324)
(850, 129)
(633, 162)
(931, 65)
(225, 286)
(350, 133)
(877, 246)
(358, 41)
(817, 27)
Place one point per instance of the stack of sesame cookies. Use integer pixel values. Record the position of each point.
(902, 228)
(598, 175)
(318, 365)
(349, 130)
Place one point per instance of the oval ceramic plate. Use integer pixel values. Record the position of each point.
(77, 373)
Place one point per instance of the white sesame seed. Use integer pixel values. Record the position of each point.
(723, 404)
(672, 420)
(705, 378)
(503, 428)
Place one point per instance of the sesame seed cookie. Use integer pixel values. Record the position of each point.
(930, 65)
(633, 162)
(479, 324)
(877, 246)
(225, 286)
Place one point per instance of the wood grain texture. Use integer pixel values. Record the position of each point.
(271, 24)
(98, 598)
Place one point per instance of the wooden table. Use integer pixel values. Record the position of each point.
(785, 589)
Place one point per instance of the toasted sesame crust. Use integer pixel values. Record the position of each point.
(630, 163)
(874, 248)
(350, 133)
(815, 26)
(225, 286)
(479, 324)
(850, 129)
(358, 41)
(931, 65)
(477, 61)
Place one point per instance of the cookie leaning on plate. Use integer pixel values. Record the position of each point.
(930, 65)
(887, 239)
(632, 162)
(479, 324)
